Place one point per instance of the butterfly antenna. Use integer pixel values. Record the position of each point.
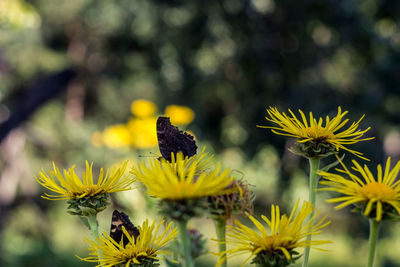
(153, 155)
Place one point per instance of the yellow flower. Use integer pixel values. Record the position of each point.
(69, 186)
(315, 138)
(376, 196)
(143, 108)
(180, 115)
(183, 178)
(278, 239)
(19, 13)
(143, 132)
(97, 139)
(117, 136)
(150, 243)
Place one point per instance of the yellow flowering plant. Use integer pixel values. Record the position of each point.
(275, 244)
(143, 251)
(143, 108)
(183, 185)
(189, 186)
(138, 132)
(316, 139)
(68, 185)
(116, 136)
(142, 132)
(182, 178)
(376, 197)
(222, 208)
(180, 115)
(85, 197)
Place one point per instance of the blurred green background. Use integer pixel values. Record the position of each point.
(69, 69)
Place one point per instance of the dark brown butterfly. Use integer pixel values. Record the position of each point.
(118, 220)
(172, 140)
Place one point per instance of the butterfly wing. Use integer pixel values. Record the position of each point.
(171, 139)
(118, 220)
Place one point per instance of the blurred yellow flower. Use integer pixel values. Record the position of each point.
(180, 115)
(117, 136)
(143, 108)
(284, 236)
(376, 196)
(183, 178)
(19, 13)
(145, 251)
(143, 132)
(140, 131)
(70, 186)
(314, 138)
(97, 139)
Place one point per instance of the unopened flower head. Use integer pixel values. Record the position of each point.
(315, 139)
(144, 251)
(85, 192)
(376, 196)
(239, 202)
(198, 243)
(275, 243)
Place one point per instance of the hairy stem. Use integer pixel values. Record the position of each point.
(94, 228)
(185, 244)
(93, 225)
(314, 164)
(220, 228)
(373, 238)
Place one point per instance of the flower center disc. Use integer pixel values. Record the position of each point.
(91, 189)
(315, 132)
(378, 191)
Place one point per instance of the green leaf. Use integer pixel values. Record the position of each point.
(326, 168)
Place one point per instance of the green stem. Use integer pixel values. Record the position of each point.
(314, 165)
(93, 225)
(220, 228)
(373, 237)
(94, 228)
(185, 244)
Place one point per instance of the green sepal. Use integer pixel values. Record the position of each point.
(144, 262)
(84, 220)
(314, 149)
(172, 264)
(275, 258)
(88, 205)
(388, 212)
(182, 210)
